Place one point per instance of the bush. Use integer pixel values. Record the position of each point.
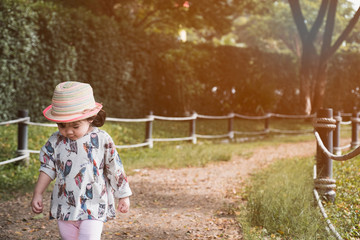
(342, 91)
(44, 44)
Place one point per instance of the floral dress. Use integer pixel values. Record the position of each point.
(89, 174)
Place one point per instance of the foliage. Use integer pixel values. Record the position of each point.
(280, 203)
(270, 26)
(174, 80)
(207, 17)
(245, 80)
(270, 29)
(134, 71)
(44, 44)
(18, 52)
(343, 86)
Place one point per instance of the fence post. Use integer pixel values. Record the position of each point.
(193, 128)
(231, 126)
(23, 135)
(267, 122)
(354, 129)
(148, 131)
(336, 135)
(324, 183)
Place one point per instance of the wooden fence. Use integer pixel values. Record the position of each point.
(327, 134)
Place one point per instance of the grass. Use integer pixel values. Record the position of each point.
(279, 200)
(179, 156)
(280, 203)
(345, 212)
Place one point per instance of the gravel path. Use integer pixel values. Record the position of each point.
(189, 203)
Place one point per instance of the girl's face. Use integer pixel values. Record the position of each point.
(75, 130)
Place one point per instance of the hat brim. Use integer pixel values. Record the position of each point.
(73, 117)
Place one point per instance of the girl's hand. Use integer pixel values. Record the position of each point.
(124, 205)
(41, 185)
(37, 203)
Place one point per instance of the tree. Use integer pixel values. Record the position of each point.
(310, 39)
(314, 65)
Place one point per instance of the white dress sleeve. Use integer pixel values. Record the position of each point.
(47, 157)
(115, 171)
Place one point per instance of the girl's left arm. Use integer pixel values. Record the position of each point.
(41, 185)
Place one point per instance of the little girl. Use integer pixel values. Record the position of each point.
(83, 160)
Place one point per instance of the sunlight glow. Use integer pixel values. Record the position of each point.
(356, 4)
(183, 35)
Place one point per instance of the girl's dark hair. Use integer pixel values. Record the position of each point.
(99, 119)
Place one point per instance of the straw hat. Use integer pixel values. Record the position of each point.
(72, 101)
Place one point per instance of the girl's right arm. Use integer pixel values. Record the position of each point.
(41, 185)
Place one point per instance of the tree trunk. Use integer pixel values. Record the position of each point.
(320, 87)
(308, 61)
(305, 91)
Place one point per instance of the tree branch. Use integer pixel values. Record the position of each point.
(299, 19)
(329, 28)
(164, 21)
(151, 13)
(142, 21)
(301, 26)
(319, 20)
(345, 33)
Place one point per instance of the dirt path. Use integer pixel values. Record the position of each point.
(188, 203)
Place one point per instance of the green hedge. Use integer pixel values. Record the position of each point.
(254, 81)
(343, 88)
(245, 80)
(44, 44)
